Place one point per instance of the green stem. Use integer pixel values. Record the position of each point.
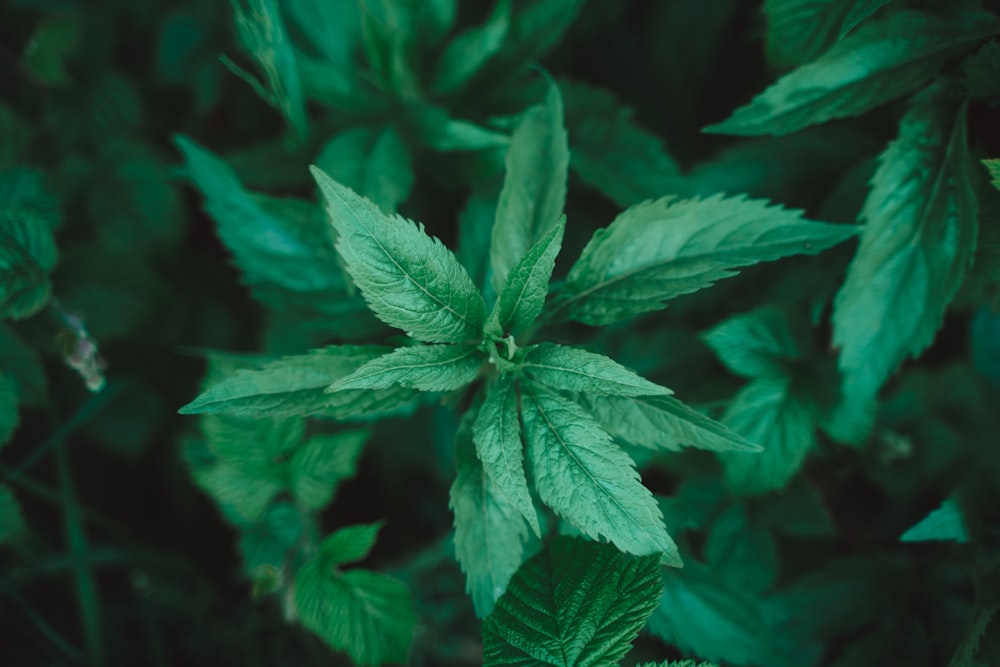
(53, 635)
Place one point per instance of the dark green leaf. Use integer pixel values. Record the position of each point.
(11, 519)
(27, 248)
(9, 403)
(742, 551)
(423, 367)
(348, 545)
(573, 369)
(859, 13)
(374, 162)
(468, 51)
(761, 343)
(321, 464)
(944, 523)
(799, 30)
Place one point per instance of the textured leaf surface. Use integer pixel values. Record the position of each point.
(799, 30)
(576, 603)
(348, 545)
(882, 60)
(27, 247)
(527, 286)
(423, 367)
(944, 523)
(756, 344)
(374, 162)
(534, 189)
(662, 249)
(470, 50)
(918, 239)
(321, 464)
(572, 369)
(409, 279)
(588, 480)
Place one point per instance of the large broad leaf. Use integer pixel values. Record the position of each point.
(576, 603)
(916, 245)
(466, 54)
(573, 369)
(374, 162)
(409, 279)
(424, 367)
(534, 189)
(27, 247)
(879, 62)
(662, 249)
(587, 479)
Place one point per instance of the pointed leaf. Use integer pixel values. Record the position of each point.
(882, 60)
(423, 367)
(348, 545)
(944, 523)
(588, 480)
(527, 286)
(993, 167)
(409, 279)
(576, 603)
(662, 249)
(536, 27)
(799, 30)
(374, 162)
(757, 344)
(859, 13)
(573, 369)
(321, 464)
(470, 50)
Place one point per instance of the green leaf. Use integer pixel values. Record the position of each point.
(663, 423)
(11, 519)
(348, 545)
(27, 247)
(534, 188)
(423, 367)
(475, 224)
(762, 343)
(9, 403)
(882, 60)
(367, 615)
(588, 480)
(466, 54)
(23, 366)
(767, 412)
(266, 545)
(523, 296)
(981, 73)
(575, 603)
(497, 435)
(799, 30)
(409, 279)
(390, 31)
(945, 523)
(742, 551)
(262, 33)
(55, 39)
(662, 249)
(993, 167)
(536, 27)
(491, 537)
(374, 162)
(572, 369)
(859, 13)
(916, 245)
(321, 464)
(679, 663)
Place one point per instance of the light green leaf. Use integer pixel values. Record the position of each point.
(573, 369)
(321, 464)
(527, 285)
(799, 30)
(242, 489)
(609, 152)
(423, 367)
(374, 162)
(331, 28)
(882, 60)
(916, 245)
(761, 343)
(367, 615)
(348, 545)
(466, 54)
(491, 537)
(767, 412)
(9, 403)
(390, 31)
(663, 423)
(993, 167)
(588, 480)
(662, 249)
(11, 519)
(945, 523)
(575, 603)
(409, 279)
(534, 189)
(859, 13)
(497, 435)
(27, 247)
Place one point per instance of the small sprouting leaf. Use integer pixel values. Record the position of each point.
(575, 603)
(882, 60)
(9, 402)
(573, 369)
(527, 286)
(944, 523)
(664, 423)
(469, 51)
(409, 279)
(11, 519)
(422, 367)
(918, 240)
(799, 30)
(491, 537)
(321, 464)
(588, 480)
(497, 435)
(348, 545)
(757, 344)
(374, 162)
(662, 249)
(534, 189)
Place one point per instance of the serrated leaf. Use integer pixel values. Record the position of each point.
(9, 403)
(662, 249)
(573, 369)
(491, 537)
(859, 13)
(767, 412)
(27, 247)
(944, 523)
(11, 518)
(799, 30)
(761, 343)
(321, 464)
(918, 240)
(576, 603)
(882, 60)
(409, 279)
(664, 423)
(611, 153)
(993, 167)
(534, 189)
(587, 479)
(348, 545)
(367, 615)
(422, 367)
(466, 54)
(374, 162)
(497, 435)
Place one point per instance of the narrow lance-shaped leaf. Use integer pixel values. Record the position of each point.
(918, 240)
(662, 249)
(534, 189)
(409, 279)
(469, 51)
(587, 479)
(423, 367)
(572, 369)
(882, 60)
